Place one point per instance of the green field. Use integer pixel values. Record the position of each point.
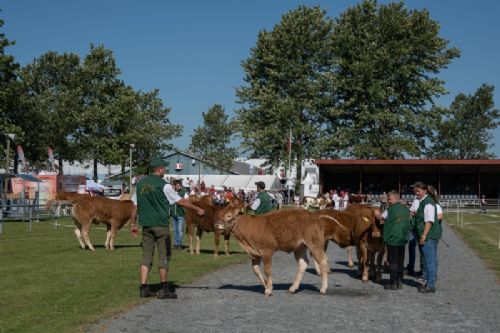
(48, 284)
(481, 232)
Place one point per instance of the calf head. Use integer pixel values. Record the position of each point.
(225, 218)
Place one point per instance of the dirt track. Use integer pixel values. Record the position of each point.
(231, 300)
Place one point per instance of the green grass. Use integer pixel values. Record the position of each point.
(48, 284)
(481, 234)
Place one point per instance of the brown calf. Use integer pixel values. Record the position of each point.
(113, 213)
(289, 230)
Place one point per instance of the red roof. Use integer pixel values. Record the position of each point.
(495, 162)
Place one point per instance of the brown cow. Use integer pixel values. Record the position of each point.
(199, 224)
(370, 247)
(354, 226)
(289, 230)
(114, 213)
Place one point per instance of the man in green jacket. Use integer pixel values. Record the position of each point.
(396, 220)
(153, 197)
(263, 203)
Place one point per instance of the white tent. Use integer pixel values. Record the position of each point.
(237, 182)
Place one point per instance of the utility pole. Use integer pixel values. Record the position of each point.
(132, 145)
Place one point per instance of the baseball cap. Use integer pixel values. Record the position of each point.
(157, 162)
(261, 185)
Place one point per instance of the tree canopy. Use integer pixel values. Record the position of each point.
(211, 141)
(464, 129)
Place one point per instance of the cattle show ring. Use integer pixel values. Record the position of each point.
(276, 272)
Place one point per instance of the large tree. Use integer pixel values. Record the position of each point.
(288, 87)
(210, 141)
(9, 90)
(388, 58)
(51, 102)
(464, 130)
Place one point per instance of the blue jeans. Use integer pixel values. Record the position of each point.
(429, 252)
(178, 226)
(412, 252)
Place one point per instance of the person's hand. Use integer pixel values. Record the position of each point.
(422, 240)
(201, 211)
(134, 231)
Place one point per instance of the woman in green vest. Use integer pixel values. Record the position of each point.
(178, 213)
(396, 220)
(429, 232)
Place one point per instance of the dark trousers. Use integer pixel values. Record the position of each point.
(396, 258)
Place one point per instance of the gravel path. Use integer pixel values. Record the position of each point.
(231, 300)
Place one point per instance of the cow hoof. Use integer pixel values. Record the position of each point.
(216, 255)
(292, 291)
(268, 293)
(350, 265)
(322, 292)
(364, 280)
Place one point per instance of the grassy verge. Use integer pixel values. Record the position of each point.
(481, 232)
(47, 284)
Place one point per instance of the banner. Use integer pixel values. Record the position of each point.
(20, 154)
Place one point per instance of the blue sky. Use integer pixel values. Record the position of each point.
(192, 50)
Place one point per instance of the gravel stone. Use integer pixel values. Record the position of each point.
(231, 300)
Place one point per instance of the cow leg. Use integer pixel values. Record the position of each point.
(268, 271)
(198, 238)
(319, 255)
(108, 236)
(316, 266)
(190, 229)
(217, 242)
(112, 235)
(226, 245)
(302, 262)
(85, 235)
(350, 263)
(363, 261)
(78, 233)
(256, 270)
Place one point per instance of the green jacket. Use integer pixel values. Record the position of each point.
(153, 208)
(175, 209)
(397, 225)
(265, 203)
(436, 229)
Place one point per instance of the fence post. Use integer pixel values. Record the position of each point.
(1, 216)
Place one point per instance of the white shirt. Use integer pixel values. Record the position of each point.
(429, 212)
(416, 204)
(170, 194)
(255, 204)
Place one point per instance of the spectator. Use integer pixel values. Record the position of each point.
(482, 204)
(263, 202)
(153, 199)
(177, 213)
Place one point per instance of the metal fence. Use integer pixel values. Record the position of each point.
(30, 211)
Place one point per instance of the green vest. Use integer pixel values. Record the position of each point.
(436, 229)
(152, 206)
(397, 225)
(175, 209)
(265, 203)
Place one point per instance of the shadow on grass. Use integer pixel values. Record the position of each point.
(117, 247)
